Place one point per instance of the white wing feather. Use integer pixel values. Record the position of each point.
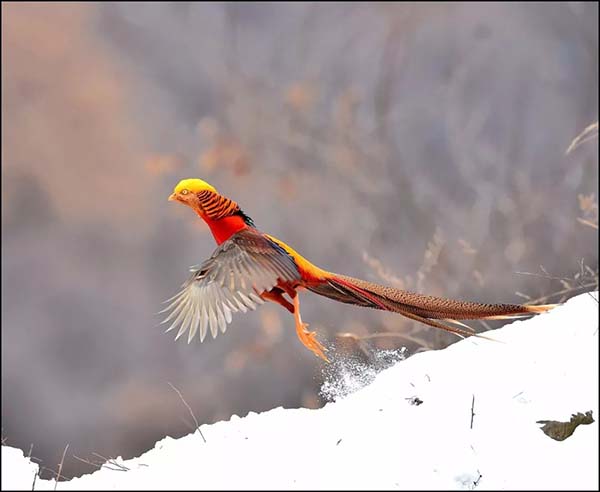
(231, 280)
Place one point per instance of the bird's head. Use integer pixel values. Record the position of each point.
(223, 215)
(192, 192)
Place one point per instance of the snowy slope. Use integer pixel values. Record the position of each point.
(378, 438)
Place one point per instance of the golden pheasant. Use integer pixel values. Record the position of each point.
(249, 267)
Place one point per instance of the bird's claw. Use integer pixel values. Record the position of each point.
(309, 339)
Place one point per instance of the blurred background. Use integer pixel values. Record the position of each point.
(417, 145)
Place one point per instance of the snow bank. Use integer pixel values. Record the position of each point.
(411, 428)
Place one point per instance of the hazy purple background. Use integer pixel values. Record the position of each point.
(353, 132)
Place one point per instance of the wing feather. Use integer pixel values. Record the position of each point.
(203, 324)
(231, 280)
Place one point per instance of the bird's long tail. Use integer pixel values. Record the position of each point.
(426, 309)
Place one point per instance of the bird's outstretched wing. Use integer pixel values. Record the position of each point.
(231, 280)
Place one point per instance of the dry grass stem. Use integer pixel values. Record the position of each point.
(584, 280)
(112, 461)
(587, 223)
(35, 475)
(383, 272)
(108, 463)
(586, 135)
(430, 258)
(189, 409)
(391, 334)
(60, 465)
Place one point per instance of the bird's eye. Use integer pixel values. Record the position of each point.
(184, 192)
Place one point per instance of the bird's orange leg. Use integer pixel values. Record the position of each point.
(276, 295)
(308, 338)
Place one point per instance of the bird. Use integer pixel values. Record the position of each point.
(249, 267)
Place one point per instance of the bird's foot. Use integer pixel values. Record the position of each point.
(309, 339)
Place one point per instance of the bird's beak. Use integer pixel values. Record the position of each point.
(173, 197)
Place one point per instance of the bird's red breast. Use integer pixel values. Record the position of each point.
(223, 229)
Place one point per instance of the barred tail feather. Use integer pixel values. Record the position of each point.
(423, 308)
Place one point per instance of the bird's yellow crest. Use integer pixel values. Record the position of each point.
(193, 185)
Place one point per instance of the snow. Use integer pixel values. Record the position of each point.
(381, 437)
